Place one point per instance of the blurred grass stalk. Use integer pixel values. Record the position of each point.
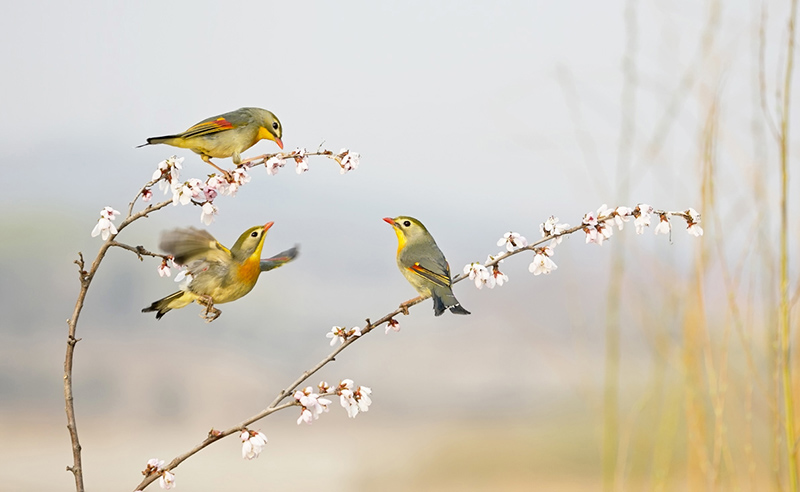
(613, 466)
(783, 315)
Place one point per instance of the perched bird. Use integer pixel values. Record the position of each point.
(423, 264)
(218, 274)
(226, 135)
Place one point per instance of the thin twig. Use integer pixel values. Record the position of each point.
(139, 251)
(85, 279)
(275, 405)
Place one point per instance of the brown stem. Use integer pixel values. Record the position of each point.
(85, 279)
(275, 405)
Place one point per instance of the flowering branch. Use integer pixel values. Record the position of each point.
(593, 224)
(167, 178)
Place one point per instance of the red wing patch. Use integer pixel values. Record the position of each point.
(434, 277)
(207, 128)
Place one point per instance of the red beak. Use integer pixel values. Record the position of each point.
(279, 142)
(389, 221)
(268, 225)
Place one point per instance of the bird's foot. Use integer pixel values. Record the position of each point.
(209, 312)
(227, 174)
(213, 314)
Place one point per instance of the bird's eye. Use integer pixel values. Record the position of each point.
(274, 125)
(406, 223)
(254, 234)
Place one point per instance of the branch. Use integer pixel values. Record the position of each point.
(139, 251)
(690, 216)
(166, 176)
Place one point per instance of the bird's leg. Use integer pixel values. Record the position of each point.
(209, 313)
(227, 174)
(244, 162)
(404, 306)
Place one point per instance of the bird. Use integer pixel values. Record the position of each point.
(226, 135)
(422, 263)
(218, 274)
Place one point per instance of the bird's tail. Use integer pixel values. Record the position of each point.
(173, 301)
(280, 259)
(167, 139)
(459, 309)
(446, 301)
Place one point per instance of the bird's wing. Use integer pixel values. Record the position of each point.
(431, 272)
(280, 259)
(190, 245)
(207, 127)
(207, 273)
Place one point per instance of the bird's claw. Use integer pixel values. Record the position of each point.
(209, 312)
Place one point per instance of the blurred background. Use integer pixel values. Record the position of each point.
(646, 364)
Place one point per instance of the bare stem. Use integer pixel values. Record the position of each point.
(783, 316)
(85, 279)
(276, 405)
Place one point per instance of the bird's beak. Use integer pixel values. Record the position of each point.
(389, 221)
(279, 142)
(268, 225)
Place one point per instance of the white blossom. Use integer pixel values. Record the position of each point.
(105, 226)
(551, 227)
(695, 229)
(216, 184)
(300, 159)
(166, 480)
(693, 223)
(341, 334)
(354, 400)
(392, 325)
(207, 213)
(512, 241)
(542, 262)
(499, 277)
(253, 443)
(312, 405)
(622, 214)
(184, 193)
(168, 172)
(273, 164)
(592, 235)
(479, 274)
(642, 214)
(663, 226)
(348, 160)
(154, 465)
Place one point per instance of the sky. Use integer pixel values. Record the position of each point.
(475, 117)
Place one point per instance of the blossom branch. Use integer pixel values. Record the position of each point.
(167, 178)
(551, 231)
(85, 279)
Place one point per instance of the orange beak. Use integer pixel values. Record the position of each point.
(268, 225)
(279, 142)
(389, 221)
